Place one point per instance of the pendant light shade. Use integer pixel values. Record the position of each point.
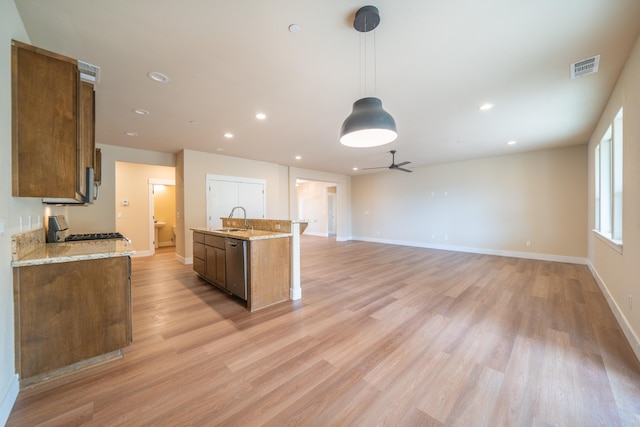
(368, 125)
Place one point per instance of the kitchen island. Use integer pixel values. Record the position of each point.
(250, 260)
(72, 303)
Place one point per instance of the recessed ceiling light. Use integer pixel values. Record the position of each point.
(261, 116)
(294, 28)
(219, 149)
(157, 76)
(355, 169)
(140, 111)
(228, 135)
(298, 157)
(485, 107)
(512, 142)
(131, 133)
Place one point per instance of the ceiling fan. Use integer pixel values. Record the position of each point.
(393, 164)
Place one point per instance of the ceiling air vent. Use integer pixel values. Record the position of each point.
(584, 67)
(89, 72)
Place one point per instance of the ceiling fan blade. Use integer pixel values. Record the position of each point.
(380, 167)
(403, 163)
(404, 170)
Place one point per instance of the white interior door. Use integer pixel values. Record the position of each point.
(225, 193)
(251, 197)
(222, 196)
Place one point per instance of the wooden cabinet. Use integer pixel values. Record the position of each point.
(52, 125)
(69, 312)
(209, 258)
(269, 272)
(268, 267)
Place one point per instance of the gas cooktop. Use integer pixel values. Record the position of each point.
(93, 236)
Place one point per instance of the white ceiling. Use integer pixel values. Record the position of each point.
(436, 61)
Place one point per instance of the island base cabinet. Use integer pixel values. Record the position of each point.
(69, 312)
(269, 272)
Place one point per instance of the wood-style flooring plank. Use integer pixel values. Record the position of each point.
(384, 336)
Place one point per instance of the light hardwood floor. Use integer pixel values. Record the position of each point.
(384, 335)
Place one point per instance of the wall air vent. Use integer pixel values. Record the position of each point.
(584, 67)
(89, 72)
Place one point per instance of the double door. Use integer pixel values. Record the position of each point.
(225, 193)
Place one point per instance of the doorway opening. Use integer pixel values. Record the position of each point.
(162, 214)
(318, 203)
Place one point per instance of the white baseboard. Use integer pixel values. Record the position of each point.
(315, 233)
(9, 400)
(483, 251)
(141, 254)
(633, 339)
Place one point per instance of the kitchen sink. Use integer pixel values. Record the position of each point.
(229, 230)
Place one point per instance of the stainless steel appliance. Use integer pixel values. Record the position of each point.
(58, 224)
(236, 266)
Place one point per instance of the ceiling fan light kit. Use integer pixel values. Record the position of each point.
(394, 165)
(368, 125)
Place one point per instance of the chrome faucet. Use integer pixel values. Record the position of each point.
(245, 215)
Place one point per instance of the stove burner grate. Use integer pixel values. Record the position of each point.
(93, 236)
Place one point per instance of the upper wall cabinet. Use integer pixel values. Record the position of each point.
(53, 140)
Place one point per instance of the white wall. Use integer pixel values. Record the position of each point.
(490, 205)
(313, 206)
(11, 209)
(619, 274)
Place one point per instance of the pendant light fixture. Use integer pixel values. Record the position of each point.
(368, 125)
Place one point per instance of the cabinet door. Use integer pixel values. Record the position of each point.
(214, 265)
(86, 143)
(69, 312)
(211, 265)
(220, 267)
(44, 123)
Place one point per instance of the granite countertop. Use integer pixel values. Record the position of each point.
(51, 253)
(248, 234)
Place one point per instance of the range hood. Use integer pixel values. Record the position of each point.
(91, 195)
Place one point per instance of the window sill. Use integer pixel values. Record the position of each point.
(616, 245)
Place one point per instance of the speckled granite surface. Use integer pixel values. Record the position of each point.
(243, 234)
(29, 248)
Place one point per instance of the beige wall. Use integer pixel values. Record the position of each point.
(101, 216)
(620, 273)
(191, 173)
(132, 185)
(491, 205)
(11, 209)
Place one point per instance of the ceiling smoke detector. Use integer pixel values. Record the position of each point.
(584, 67)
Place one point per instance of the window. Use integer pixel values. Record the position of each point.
(608, 183)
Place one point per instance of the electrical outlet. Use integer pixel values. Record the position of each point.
(277, 226)
(528, 243)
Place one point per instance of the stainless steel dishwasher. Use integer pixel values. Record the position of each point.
(236, 266)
